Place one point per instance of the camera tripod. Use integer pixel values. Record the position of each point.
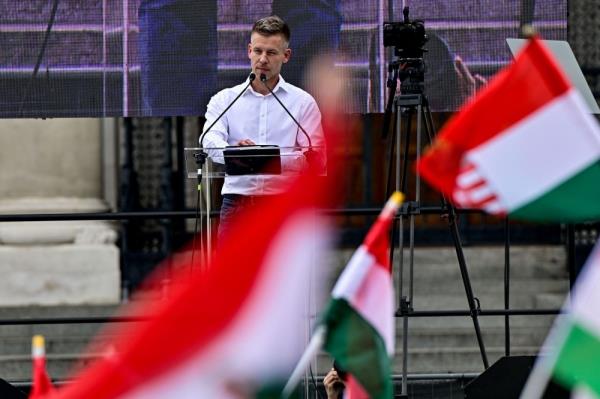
(409, 106)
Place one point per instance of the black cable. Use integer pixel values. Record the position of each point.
(40, 57)
(312, 377)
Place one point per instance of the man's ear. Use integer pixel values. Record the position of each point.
(249, 50)
(287, 54)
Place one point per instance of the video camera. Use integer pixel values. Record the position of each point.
(408, 38)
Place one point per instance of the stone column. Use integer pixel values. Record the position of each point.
(50, 166)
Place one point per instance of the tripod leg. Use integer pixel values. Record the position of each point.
(462, 264)
(391, 163)
(404, 392)
(402, 178)
(404, 304)
(429, 126)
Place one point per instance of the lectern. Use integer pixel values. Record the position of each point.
(268, 168)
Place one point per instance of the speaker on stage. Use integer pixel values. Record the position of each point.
(7, 391)
(506, 378)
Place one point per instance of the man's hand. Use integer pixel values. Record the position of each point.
(468, 83)
(334, 385)
(246, 142)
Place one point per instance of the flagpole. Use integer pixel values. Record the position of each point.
(536, 383)
(542, 369)
(316, 342)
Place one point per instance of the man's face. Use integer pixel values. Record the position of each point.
(267, 54)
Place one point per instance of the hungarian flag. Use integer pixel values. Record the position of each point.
(526, 146)
(235, 330)
(359, 319)
(572, 349)
(42, 385)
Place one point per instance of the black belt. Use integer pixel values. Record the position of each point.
(245, 199)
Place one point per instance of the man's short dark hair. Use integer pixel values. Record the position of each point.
(272, 25)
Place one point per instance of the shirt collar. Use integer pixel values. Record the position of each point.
(281, 84)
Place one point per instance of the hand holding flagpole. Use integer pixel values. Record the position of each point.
(315, 344)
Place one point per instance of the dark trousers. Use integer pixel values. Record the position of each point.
(230, 208)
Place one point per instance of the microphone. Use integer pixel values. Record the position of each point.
(251, 78)
(310, 154)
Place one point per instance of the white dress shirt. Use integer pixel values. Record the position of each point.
(263, 120)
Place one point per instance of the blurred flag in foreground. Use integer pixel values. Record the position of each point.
(41, 385)
(359, 319)
(525, 146)
(572, 350)
(235, 330)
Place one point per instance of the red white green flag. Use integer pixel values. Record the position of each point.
(525, 146)
(235, 330)
(359, 319)
(41, 385)
(572, 350)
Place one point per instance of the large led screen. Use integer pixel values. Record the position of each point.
(167, 57)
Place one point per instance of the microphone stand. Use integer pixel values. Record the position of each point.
(200, 158)
(310, 155)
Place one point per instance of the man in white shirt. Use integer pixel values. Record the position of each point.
(257, 118)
